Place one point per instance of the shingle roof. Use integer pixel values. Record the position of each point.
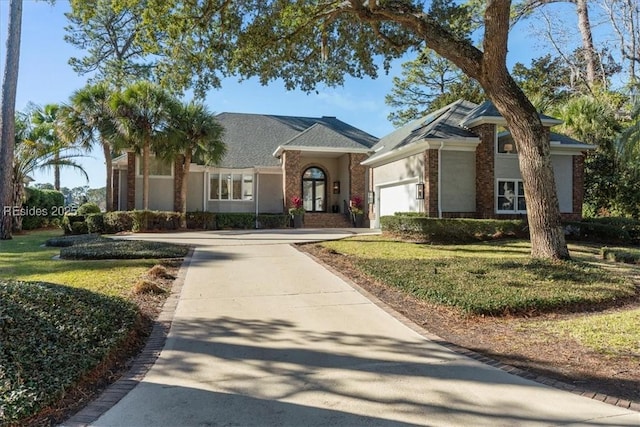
(488, 110)
(252, 139)
(441, 124)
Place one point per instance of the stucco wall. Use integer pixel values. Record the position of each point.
(195, 191)
(563, 171)
(270, 198)
(400, 170)
(458, 181)
(160, 194)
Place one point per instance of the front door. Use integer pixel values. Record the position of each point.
(314, 188)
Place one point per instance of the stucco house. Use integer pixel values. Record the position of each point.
(460, 161)
(270, 159)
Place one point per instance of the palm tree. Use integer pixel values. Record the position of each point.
(144, 112)
(33, 154)
(197, 135)
(45, 130)
(89, 119)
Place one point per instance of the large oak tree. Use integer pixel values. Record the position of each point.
(305, 42)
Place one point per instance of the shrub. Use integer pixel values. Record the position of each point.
(596, 232)
(74, 224)
(630, 225)
(46, 206)
(626, 255)
(235, 220)
(273, 221)
(147, 287)
(451, 230)
(95, 222)
(155, 220)
(117, 222)
(123, 249)
(88, 208)
(64, 241)
(201, 220)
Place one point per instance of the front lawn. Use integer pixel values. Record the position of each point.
(63, 323)
(490, 278)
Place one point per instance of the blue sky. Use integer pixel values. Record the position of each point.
(45, 77)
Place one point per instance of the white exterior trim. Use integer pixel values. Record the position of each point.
(338, 150)
(459, 144)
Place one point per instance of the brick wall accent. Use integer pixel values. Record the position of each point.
(178, 176)
(371, 207)
(485, 171)
(431, 183)
(115, 189)
(357, 176)
(131, 181)
(578, 186)
(292, 179)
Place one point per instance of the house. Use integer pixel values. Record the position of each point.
(461, 161)
(270, 159)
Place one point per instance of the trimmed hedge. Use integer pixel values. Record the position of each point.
(457, 230)
(122, 249)
(596, 232)
(49, 204)
(88, 208)
(626, 255)
(65, 241)
(137, 221)
(630, 225)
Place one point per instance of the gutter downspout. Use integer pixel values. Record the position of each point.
(440, 179)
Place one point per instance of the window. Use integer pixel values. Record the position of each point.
(314, 184)
(506, 145)
(230, 186)
(511, 197)
(157, 167)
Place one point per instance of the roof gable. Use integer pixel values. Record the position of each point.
(488, 113)
(252, 139)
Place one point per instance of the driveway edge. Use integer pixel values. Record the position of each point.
(591, 394)
(142, 362)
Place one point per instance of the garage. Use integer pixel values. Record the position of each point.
(398, 198)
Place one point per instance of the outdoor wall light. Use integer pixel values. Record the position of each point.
(371, 196)
(420, 191)
(336, 187)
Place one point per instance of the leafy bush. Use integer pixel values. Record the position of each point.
(117, 222)
(596, 232)
(122, 249)
(155, 220)
(626, 255)
(201, 220)
(630, 225)
(88, 208)
(95, 223)
(64, 241)
(51, 336)
(74, 224)
(458, 230)
(47, 206)
(235, 220)
(273, 221)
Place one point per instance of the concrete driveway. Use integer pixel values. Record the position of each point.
(263, 335)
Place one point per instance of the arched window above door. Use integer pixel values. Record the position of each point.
(314, 190)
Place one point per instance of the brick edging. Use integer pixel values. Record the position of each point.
(591, 394)
(142, 362)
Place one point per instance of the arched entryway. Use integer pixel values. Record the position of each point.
(314, 189)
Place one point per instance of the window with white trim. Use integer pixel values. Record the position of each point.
(230, 186)
(510, 196)
(504, 142)
(157, 167)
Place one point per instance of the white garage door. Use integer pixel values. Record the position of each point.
(399, 198)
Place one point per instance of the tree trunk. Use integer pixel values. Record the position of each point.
(146, 149)
(184, 188)
(56, 171)
(7, 118)
(106, 149)
(18, 197)
(584, 25)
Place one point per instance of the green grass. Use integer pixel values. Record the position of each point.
(612, 334)
(59, 319)
(491, 278)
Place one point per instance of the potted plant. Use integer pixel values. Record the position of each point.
(296, 212)
(357, 213)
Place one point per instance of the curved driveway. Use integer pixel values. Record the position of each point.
(263, 335)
